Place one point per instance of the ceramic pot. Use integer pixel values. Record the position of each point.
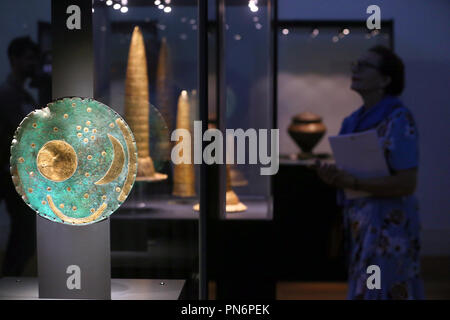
(306, 129)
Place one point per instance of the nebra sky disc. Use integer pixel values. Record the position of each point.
(74, 162)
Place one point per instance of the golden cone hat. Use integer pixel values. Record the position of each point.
(137, 106)
(184, 173)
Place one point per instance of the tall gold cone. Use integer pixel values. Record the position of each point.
(164, 97)
(232, 202)
(137, 105)
(183, 173)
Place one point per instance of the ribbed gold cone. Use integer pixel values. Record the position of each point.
(164, 96)
(183, 173)
(232, 202)
(137, 105)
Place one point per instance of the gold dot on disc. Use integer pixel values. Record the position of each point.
(66, 116)
(86, 130)
(117, 189)
(78, 127)
(89, 157)
(44, 203)
(103, 153)
(92, 210)
(92, 137)
(33, 145)
(55, 129)
(104, 197)
(34, 125)
(88, 123)
(69, 188)
(74, 208)
(111, 125)
(49, 189)
(86, 195)
(73, 104)
(86, 140)
(30, 190)
(79, 135)
(94, 130)
(57, 160)
(32, 173)
(87, 174)
(21, 160)
(61, 205)
(88, 109)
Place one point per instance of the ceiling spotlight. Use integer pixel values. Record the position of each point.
(124, 9)
(346, 31)
(109, 3)
(161, 6)
(335, 39)
(315, 32)
(252, 4)
(167, 1)
(285, 32)
(167, 9)
(157, 2)
(124, 2)
(237, 37)
(258, 26)
(117, 6)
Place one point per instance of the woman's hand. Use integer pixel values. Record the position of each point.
(401, 183)
(331, 175)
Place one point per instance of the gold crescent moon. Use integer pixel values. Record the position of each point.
(117, 163)
(132, 160)
(63, 217)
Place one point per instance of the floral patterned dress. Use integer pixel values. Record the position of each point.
(385, 231)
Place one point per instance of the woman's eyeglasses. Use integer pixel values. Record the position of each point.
(363, 65)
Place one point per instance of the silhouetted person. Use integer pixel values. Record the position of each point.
(383, 228)
(16, 103)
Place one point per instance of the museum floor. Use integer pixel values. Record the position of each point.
(435, 270)
(436, 275)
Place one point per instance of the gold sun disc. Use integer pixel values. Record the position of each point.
(57, 160)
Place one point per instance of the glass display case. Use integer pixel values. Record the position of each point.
(240, 39)
(146, 68)
(155, 233)
(150, 62)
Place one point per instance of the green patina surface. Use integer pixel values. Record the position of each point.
(70, 116)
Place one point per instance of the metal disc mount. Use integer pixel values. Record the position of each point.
(74, 161)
